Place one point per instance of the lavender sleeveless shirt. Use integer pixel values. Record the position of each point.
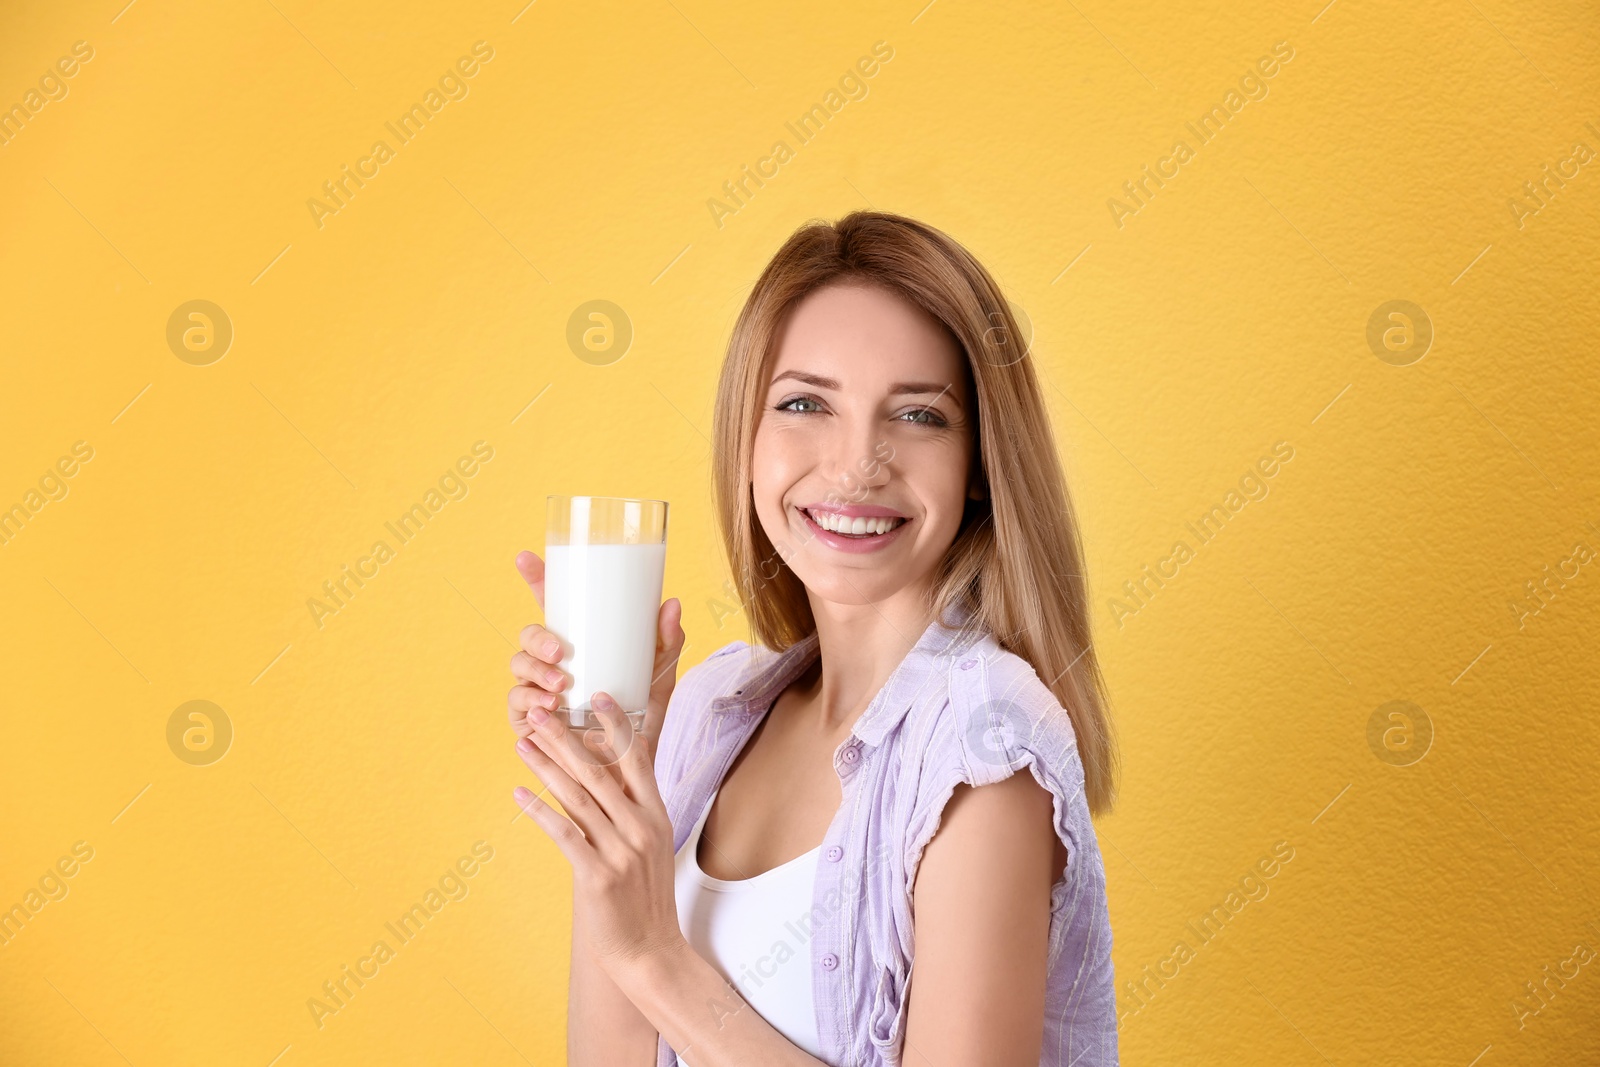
(958, 708)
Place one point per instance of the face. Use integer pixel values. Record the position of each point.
(863, 454)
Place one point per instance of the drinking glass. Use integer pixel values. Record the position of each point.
(605, 561)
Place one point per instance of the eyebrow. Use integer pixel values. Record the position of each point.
(914, 388)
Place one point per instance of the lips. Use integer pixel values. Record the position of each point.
(837, 528)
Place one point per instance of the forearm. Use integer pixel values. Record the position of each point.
(702, 1015)
(604, 1029)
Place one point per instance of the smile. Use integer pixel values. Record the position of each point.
(857, 534)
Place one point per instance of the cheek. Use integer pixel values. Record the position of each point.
(935, 465)
(776, 463)
(947, 499)
(937, 476)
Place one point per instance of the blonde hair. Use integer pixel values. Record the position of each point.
(1016, 563)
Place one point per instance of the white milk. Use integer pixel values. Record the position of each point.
(603, 602)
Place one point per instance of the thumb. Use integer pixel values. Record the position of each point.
(531, 567)
(670, 626)
(669, 646)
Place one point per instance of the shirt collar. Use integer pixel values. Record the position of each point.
(944, 637)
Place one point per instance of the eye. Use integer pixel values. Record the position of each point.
(933, 419)
(784, 405)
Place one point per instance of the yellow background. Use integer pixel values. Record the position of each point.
(371, 752)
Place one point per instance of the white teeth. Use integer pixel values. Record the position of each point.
(857, 527)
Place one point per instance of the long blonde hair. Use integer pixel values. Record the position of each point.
(1016, 563)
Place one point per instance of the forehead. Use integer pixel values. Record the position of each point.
(865, 334)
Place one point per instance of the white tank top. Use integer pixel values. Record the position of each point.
(757, 933)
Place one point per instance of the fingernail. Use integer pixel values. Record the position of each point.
(539, 717)
(525, 745)
(603, 702)
(551, 647)
(522, 794)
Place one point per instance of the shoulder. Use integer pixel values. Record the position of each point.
(995, 828)
(999, 719)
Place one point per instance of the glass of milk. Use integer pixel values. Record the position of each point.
(604, 563)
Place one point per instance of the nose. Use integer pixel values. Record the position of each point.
(857, 456)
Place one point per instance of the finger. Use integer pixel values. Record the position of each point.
(538, 672)
(630, 756)
(556, 741)
(603, 743)
(576, 800)
(521, 702)
(568, 838)
(541, 643)
(531, 567)
(615, 736)
(664, 674)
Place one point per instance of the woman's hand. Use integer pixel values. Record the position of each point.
(616, 834)
(540, 680)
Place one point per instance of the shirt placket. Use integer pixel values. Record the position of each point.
(836, 962)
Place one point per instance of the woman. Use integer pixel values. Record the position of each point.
(890, 496)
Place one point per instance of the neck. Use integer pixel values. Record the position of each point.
(859, 646)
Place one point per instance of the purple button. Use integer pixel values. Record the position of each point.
(969, 664)
(851, 754)
(834, 852)
(829, 962)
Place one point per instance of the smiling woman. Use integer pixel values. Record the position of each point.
(812, 817)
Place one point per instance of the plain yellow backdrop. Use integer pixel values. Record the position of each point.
(1443, 862)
